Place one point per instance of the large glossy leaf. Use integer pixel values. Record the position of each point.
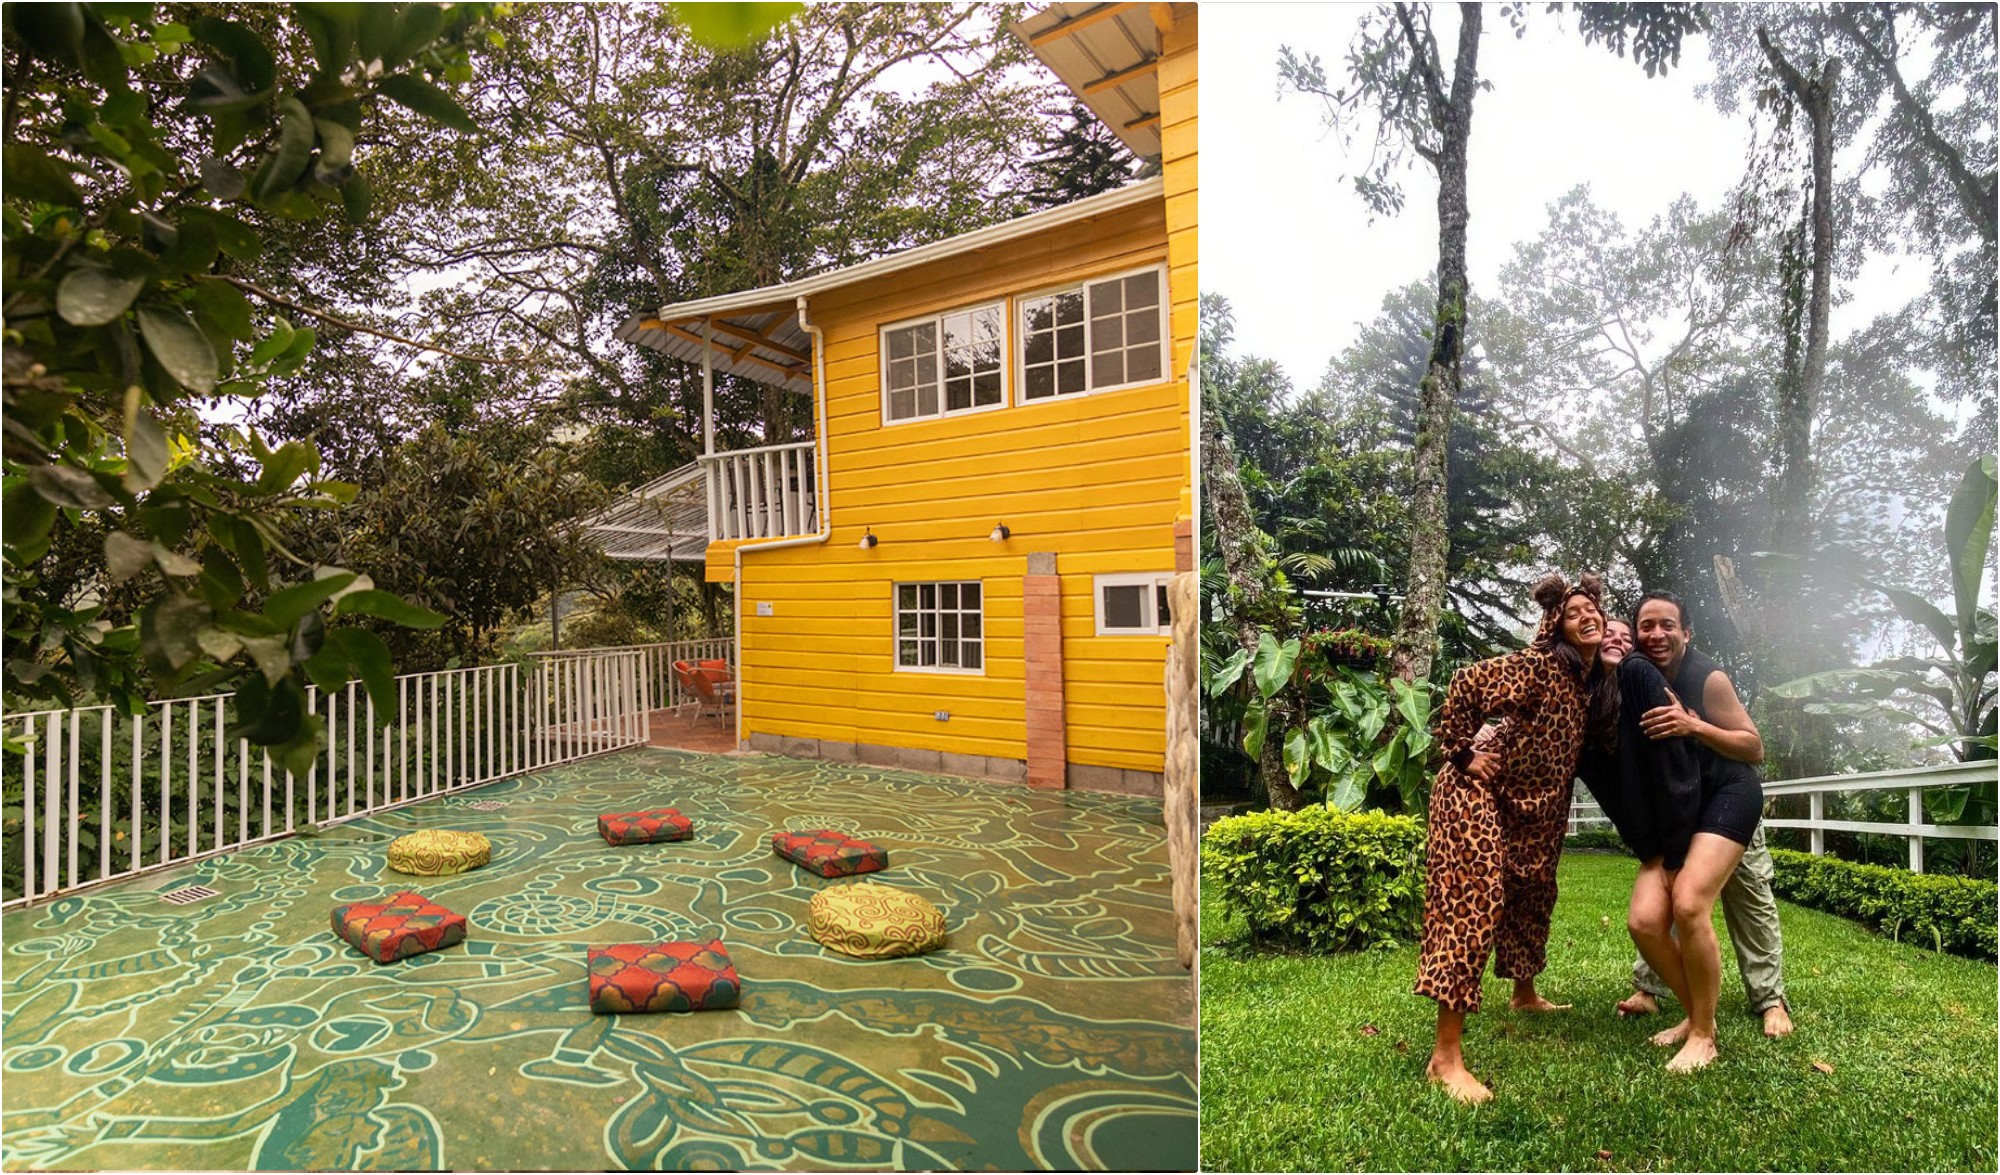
(91, 296)
(248, 55)
(372, 664)
(287, 162)
(1968, 526)
(285, 607)
(732, 26)
(181, 348)
(1348, 792)
(388, 606)
(1228, 673)
(1274, 663)
(68, 486)
(33, 175)
(1255, 722)
(427, 100)
(1298, 757)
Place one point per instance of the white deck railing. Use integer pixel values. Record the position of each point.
(761, 493)
(106, 795)
(661, 689)
(1913, 781)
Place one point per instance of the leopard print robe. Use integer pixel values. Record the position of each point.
(1492, 849)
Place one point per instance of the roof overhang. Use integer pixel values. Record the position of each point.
(664, 520)
(755, 333)
(1108, 55)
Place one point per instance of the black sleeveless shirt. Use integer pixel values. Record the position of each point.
(1691, 679)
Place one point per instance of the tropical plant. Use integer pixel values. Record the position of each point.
(1951, 694)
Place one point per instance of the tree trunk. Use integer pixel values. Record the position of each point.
(1805, 365)
(1244, 562)
(1430, 543)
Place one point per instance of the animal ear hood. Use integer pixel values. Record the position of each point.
(1550, 591)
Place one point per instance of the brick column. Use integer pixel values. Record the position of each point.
(1184, 545)
(1041, 621)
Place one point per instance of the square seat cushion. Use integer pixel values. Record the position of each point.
(667, 977)
(437, 852)
(873, 921)
(829, 853)
(407, 924)
(644, 828)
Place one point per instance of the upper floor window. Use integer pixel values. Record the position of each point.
(1094, 336)
(943, 364)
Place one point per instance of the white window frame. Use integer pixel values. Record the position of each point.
(1163, 625)
(1000, 306)
(896, 626)
(1019, 326)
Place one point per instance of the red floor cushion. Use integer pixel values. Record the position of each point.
(644, 828)
(667, 977)
(829, 853)
(407, 924)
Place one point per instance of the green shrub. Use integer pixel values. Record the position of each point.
(1950, 913)
(1320, 879)
(1596, 838)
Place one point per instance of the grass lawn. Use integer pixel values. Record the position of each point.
(1317, 1063)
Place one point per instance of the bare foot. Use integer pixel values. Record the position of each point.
(1639, 1003)
(1674, 1035)
(1695, 1054)
(1459, 1082)
(1537, 1003)
(1777, 1021)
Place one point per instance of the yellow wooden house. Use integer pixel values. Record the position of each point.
(964, 569)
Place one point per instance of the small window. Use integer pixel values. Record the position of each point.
(1133, 604)
(1099, 335)
(940, 627)
(945, 364)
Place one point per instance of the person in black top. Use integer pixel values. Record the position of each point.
(1688, 800)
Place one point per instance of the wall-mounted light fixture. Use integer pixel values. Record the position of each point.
(999, 533)
(868, 540)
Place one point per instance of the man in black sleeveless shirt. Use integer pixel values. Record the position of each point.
(1749, 908)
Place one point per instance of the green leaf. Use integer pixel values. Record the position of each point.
(285, 608)
(420, 25)
(126, 555)
(733, 26)
(194, 249)
(298, 753)
(1298, 760)
(26, 516)
(180, 347)
(1968, 525)
(1228, 673)
(1255, 723)
(1274, 663)
(173, 562)
(225, 306)
(169, 628)
(427, 100)
(102, 61)
(336, 153)
(283, 467)
(66, 485)
(216, 92)
(357, 195)
(388, 606)
(1348, 792)
(53, 31)
(247, 53)
(370, 658)
(222, 179)
(91, 296)
(273, 655)
(33, 175)
(283, 167)
(235, 237)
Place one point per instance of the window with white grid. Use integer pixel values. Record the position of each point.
(940, 626)
(944, 364)
(1095, 336)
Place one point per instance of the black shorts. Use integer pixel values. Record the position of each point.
(1732, 800)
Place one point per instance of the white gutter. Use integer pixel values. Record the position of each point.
(824, 532)
(1140, 192)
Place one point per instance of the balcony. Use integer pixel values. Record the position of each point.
(763, 493)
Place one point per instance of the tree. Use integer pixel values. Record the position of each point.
(1395, 71)
(1080, 159)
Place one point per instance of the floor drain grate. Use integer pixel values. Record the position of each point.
(488, 805)
(188, 893)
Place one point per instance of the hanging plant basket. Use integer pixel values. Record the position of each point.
(1349, 647)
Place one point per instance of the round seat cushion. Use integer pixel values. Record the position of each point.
(871, 921)
(435, 852)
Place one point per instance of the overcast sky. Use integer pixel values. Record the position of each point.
(1288, 242)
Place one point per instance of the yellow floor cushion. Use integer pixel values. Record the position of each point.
(872, 921)
(435, 852)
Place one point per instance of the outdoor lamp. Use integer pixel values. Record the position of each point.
(1382, 594)
(999, 533)
(868, 539)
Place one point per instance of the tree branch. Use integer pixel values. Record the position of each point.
(250, 287)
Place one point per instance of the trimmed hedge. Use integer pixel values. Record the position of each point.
(1956, 914)
(1320, 879)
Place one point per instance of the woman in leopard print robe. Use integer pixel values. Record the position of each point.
(1497, 815)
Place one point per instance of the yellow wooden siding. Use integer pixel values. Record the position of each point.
(1098, 479)
(1179, 165)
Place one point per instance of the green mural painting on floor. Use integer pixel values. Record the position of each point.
(1053, 1031)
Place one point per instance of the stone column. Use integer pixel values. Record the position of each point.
(1041, 622)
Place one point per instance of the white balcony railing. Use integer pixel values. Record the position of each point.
(659, 688)
(764, 493)
(104, 795)
(1913, 781)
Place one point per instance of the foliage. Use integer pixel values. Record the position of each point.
(1954, 689)
(1345, 646)
(128, 218)
(1947, 913)
(1319, 879)
(1081, 158)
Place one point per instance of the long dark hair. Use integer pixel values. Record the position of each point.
(1600, 681)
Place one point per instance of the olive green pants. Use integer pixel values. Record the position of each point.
(1751, 913)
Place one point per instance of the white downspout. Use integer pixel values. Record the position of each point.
(819, 476)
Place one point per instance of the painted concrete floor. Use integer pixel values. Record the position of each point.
(1053, 1031)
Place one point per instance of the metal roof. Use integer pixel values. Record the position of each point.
(757, 333)
(665, 519)
(1108, 55)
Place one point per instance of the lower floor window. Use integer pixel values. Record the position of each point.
(940, 626)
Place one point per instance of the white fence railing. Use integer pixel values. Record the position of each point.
(105, 795)
(761, 493)
(661, 690)
(1913, 781)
